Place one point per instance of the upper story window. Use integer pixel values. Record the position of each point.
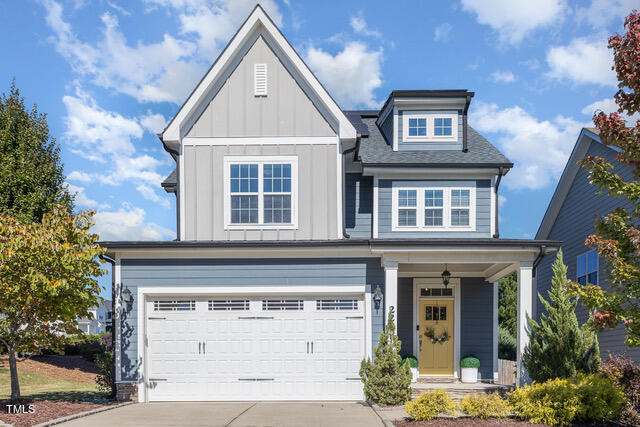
(587, 268)
(430, 127)
(433, 209)
(261, 192)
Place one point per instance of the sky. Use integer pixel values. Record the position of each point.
(110, 74)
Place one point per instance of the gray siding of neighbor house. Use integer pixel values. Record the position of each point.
(240, 272)
(420, 146)
(236, 112)
(406, 328)
(385, 205)
(476, 324)
(575, 221)
(358, 205)
(317, 192)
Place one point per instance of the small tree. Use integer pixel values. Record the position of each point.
(558, 347)
(508, 303)
(388, 379)
(48, 274)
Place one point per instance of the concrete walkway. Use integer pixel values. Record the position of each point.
(328, 414)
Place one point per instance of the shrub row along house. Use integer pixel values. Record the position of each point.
(301, 225)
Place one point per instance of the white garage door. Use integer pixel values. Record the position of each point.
(241, 348)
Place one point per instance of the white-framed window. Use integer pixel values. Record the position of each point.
(261, 192)
(429, 127)
(587, 268)
(433, 209)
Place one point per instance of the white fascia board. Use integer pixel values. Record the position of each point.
(401, 172)
(430, 102)
(262, 140)
(566, 180)
(245, 252)
(257, 17)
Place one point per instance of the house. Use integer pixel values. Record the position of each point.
(300, 225)
(570, 218)
(100, 320)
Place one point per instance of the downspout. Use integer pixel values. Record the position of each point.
(538, 259)
(464, 125)
(495, 190)
(344, 191)
(113, 323)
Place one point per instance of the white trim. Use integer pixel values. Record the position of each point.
(116, 316)
(144, 291)
(181, 196)
(494, 208)
(433, 283)
(421, 173)
(391, 290)
(257, 17)
(430, 119)
(446, 210)
(524, 309)
(261, 160)
(495, 331)
(375, 207)
(395, 128)
(261, 140)
(368, 326)
(340, 192)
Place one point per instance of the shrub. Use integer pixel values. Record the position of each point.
(486, 406)
(507, 344)
(413, 362)
(104, 363)
(561, 401)
(387, 380)
(622, 372)
(85, 345)
(470, 362)
(430, 404)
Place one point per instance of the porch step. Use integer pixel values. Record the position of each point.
(437, 380)
(457, 390)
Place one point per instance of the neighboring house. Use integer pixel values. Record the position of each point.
(100, 320)
(570, 218)
(300, 225)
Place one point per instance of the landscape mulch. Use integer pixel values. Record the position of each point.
(44, 410)
(475, 422)
(70, 368)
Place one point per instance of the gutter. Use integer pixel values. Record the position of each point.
(344, 190)
(113, 322)
(538, 260)
(495, 190)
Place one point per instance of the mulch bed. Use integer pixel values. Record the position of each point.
(465, 422)
(43, 410)
(70, 368)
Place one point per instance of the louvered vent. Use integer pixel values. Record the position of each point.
(260, 79)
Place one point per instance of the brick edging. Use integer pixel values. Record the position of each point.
(82, 414)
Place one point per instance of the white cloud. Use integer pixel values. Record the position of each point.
(82, 200)
(351, 76)
(608, 105)
(153, 123)
(582, 62)
(441, 33)
(505, 76)
(79, 176)
(359, 26)
(538, 148)
(150, 194)
(601, 12)
(502, 200)
(515, 19)
(127, 223)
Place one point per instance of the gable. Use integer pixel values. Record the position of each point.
(235, 111)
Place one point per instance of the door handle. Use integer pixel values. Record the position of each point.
(311, 347)
(199, 347)
(307, 347)
(204, 347)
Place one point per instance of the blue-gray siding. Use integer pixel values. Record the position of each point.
(575, 221)
(476, 323)
(483, 208)
(241, 272)
(421, 146)
(406, 328)
(358, 205)
(387, 128)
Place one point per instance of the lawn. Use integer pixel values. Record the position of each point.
(40, 386)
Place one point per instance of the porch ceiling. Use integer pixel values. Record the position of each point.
(489, 270)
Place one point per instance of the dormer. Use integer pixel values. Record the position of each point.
(423, 120)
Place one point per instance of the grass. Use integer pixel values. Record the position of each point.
(42, 387)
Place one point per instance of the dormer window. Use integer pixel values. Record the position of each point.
(429, 126)
(442, 126)
(417, 127)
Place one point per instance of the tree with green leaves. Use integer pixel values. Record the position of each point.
(558, 347)
(31, 176)
(387, 380)
(617, 236)
(507, 316)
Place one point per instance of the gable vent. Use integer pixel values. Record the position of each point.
(260, 79)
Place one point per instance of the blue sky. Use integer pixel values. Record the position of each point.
(110, 73)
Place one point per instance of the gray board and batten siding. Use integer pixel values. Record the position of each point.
(336, 272)
(385, 206)
(573, 224)
(358, 205)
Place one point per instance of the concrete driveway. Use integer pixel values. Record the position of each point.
(328, 414)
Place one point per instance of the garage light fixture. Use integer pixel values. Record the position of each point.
(377, 297)
(446, 276)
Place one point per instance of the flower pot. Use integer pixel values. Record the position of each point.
(469, 375)
(414, 374)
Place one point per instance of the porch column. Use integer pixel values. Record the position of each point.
(495, 331)
(525, 308)
(391, 290)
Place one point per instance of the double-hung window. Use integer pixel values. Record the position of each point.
(587, 268)
(261, 192)
(433, 209)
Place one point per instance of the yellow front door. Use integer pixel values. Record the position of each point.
(436, 337)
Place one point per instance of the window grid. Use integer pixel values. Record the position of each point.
(337, 304)
(587, 268)
(442, 126)
(174, 305)
(228, 304)
(407, 207)
(434, 203)
(418, 126)
(277, 193)
(435, 209)
(244, 193)
(460, 199)
(282, 304)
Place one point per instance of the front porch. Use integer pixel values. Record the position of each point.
(439, 324)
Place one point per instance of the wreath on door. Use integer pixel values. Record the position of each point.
(431, 334)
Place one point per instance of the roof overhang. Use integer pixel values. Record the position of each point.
(173, 133)
(460, 98)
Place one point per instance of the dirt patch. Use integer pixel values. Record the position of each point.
(471, 422)
(70, 368)
(39, 411)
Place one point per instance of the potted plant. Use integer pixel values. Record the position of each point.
(469, 369)
(413, 365)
